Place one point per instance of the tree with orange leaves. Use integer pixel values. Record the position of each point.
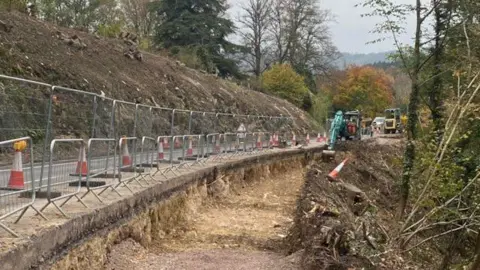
(364, 88)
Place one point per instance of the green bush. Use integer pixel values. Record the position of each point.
(109, 30)
(284, 82)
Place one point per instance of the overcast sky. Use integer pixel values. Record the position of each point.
(350, 32)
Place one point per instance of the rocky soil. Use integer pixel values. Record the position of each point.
(33, 49)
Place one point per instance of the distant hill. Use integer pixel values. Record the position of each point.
(361, 59)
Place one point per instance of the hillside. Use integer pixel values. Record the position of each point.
(361, 59)
(33, 50)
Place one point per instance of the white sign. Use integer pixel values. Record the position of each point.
(241, 129)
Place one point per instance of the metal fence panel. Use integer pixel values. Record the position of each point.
(102, 174)
(178, 151)
(147, 159)
(194, 149)
(17, 184)
(164, 158)
(249, 143)
(161, 121)
(103, 118)
(143, 121)
(180, 121)
(212, 145)
(64, 180)
(207, 123)
(127, 162)
(24, 111)
(72, 113)
(230, 144)
(124, 119)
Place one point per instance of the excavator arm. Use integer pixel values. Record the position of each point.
(335, 129)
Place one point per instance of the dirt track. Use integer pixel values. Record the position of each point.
(243, 231)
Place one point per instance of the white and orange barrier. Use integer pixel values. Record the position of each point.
(334, 174)
(17, 179)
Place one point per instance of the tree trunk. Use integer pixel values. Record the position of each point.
(476, 262)
(411, 129)
(258, 60)
(436, 91)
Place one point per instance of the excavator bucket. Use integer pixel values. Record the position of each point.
(328, 155)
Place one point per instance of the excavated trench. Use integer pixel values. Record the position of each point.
(237, 219)
(240, 227)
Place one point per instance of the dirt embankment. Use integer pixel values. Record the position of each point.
(41, 51)
(348, 224)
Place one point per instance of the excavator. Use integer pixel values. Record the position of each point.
(344, 126)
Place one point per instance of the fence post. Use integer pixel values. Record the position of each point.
(172, 123)
(94, 117)
(150, 110)
(190, 123)
(135, 120)
(47, 135)
(215, 123)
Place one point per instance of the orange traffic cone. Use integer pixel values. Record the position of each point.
(126, 159)
(17, 180)
(319, 137)
(275, 140)
(259, 142)
(82, 163)
(333, 174)
(190, 147)
(165, 143)
(161, 155)
(177, 142)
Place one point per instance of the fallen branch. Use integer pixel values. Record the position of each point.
(365, 236)
(435, 236)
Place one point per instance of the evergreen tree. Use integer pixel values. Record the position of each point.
(198, 24)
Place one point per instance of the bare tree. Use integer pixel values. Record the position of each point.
(315, 50)
(255, 22)
(277, 30)
(300, 36)
(138, 16)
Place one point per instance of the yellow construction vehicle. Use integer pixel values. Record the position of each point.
(404, 120)
(393, 122)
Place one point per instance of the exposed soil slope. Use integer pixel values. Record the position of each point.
(349, 223)
(31, 49)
